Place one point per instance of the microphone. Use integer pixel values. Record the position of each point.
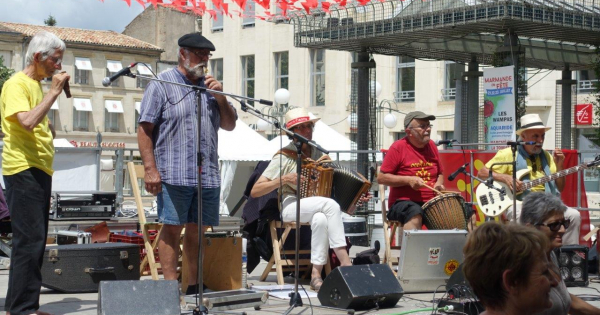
(67, 89)
(440, 142)
(125, 71)
(520, 142)
(458, 171)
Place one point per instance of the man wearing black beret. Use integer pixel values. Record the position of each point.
(167, 139)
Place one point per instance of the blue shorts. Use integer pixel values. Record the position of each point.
(178, 205)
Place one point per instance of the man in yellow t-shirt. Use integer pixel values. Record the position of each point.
(27, 159)
(540, 163)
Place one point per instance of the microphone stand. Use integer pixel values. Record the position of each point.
(200, 307)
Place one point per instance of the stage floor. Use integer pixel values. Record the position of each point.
(86, 303)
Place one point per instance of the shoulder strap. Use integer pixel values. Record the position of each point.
(287, 152)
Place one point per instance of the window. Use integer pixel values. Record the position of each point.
(216, 69)
(405, 79)
(399, 135)
(6, 57)
(249, 12)
(52, 114)
(317, 77)
(217, 22)
(587, 144)
(452, 72)
(52, 117)
(248, 76)
(137, 116)
(81, 112)
(112, 115)
(447, 135)
(281, 70)
(141, 83)
(586, 79)
(144, 70)
(83, 68)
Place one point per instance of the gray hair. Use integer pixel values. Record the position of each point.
(538, 206)
(45, 43)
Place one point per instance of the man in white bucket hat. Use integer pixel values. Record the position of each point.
(323, 213)
(540, 163)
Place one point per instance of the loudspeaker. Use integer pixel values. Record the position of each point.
(360, 287)
(458, 286)
(145, 297)
(572, 262)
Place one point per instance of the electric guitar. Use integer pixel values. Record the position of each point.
(493, 202)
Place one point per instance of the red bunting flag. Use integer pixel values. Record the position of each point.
(217, 4)
(241, 4)
(325, 6)
(213, 14)
(225, 7)
(263, 3)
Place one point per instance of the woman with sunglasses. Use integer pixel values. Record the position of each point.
(546, 212)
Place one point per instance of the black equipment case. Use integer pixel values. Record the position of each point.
(81, 267)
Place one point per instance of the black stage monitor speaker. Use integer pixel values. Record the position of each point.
(146, 297)
(360, 287)
(572, 261)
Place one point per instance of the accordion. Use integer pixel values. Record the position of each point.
(343, 185)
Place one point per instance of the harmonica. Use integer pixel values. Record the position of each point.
(67, 88)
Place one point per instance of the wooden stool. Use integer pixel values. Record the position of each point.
(279, 262)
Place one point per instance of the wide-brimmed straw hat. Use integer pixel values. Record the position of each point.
(531, 121)
(297, 116)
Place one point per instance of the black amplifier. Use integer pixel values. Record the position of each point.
(83, 205)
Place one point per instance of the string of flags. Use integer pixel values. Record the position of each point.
(219, 7)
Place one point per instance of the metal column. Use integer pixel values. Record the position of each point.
(362, 112)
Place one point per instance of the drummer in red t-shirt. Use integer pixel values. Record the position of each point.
(411, 164)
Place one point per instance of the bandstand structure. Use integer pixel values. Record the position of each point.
(546, 34)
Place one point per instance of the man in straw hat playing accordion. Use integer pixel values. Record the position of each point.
(413, 171)
(540, 164)
(323, 214)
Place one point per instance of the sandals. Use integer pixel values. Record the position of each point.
(316, 283)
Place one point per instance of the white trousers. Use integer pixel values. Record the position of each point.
(571, 236)
(325, 218)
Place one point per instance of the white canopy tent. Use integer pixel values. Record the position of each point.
(325, 136)
(242, 144)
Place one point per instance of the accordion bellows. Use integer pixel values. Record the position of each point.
(330, 180)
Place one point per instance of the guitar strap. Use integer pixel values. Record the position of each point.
(522, 157)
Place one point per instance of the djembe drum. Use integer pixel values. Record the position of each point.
(445, 212)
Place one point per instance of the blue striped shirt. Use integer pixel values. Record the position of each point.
(175, 131)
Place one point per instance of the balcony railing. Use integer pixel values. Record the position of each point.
(586, 85)
(404, 96)
(449, 94)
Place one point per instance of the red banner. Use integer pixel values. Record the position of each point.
(452, 160)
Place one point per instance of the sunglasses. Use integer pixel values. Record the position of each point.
(555, 226)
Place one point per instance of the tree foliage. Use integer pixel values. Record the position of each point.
(5, 72)
(50, 21)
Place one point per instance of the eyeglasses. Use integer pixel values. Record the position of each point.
(424, 127)
(201, 55)
(55, 60)
(555, 226)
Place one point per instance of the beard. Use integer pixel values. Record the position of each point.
(196, 71)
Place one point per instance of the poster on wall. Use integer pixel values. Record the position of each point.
(499, 106)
